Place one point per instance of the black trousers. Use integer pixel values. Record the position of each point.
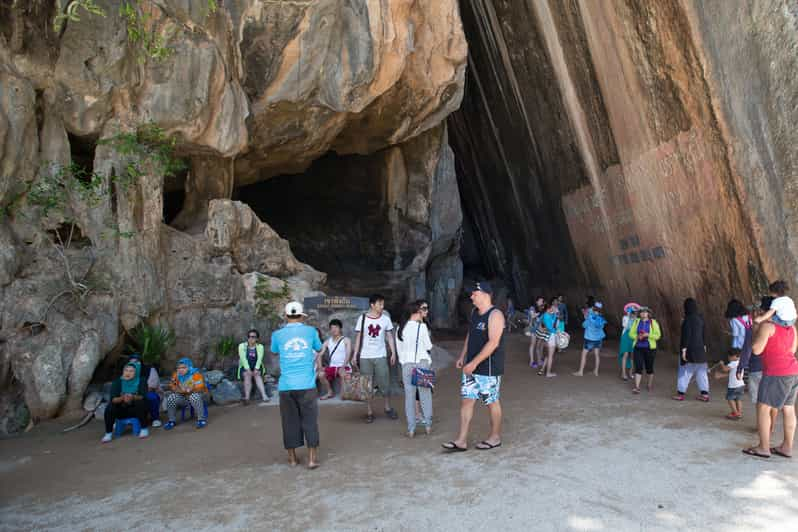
(644, 358)
(299, 411)
(138, 409)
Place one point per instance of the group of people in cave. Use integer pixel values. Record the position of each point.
(760, 356)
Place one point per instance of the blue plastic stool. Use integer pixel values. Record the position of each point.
(122, 424)
(183, 411)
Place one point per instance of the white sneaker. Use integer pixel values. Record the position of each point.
(107, 438)
(157, 423)
(144, 433)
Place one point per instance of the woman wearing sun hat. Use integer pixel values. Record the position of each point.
(645, 331)
(627, 345)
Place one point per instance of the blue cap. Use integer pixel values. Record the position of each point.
(481, 286)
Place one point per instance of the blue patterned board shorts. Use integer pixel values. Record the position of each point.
(482, 387)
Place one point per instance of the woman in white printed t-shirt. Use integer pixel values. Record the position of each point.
(413, 344)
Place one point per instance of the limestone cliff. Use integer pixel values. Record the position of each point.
(249, 90)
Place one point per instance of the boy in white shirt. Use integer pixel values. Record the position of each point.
(782, 309)
(736, 388)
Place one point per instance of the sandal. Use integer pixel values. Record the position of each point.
(392, 414)
(775, 450)
(541, 372)
(753, 452)
(453, 447)
(703, 398)
(487, 446)
(370, 418)
(635, 390)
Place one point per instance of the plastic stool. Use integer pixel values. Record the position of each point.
(122, 424)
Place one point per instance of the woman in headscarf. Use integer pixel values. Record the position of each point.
(150, 375)
(188, 386)
(692, 353)
(127, 400)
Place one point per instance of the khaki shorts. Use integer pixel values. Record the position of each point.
(376, 370)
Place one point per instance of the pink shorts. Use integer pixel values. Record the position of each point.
(331, 372)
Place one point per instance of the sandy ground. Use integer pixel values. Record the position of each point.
(578, 454)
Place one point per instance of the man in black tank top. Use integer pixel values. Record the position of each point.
(482, 361)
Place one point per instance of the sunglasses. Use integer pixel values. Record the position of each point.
(252, 336)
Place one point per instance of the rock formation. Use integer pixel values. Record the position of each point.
(633, 150)
(250, 90)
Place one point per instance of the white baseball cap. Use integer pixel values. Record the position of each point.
(598, 304)
(294, 309)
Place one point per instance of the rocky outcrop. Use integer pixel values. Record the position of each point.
(631, 150)
(248, 91)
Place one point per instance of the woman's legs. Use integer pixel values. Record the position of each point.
(140, 410)
(410, 397)
(154, 404)
(624, 362)
(550, 359)
(581, 369)
(247, 384)
(197, 403)
(788, 413)
(596, 353)
(425, 398)
(649, 356)
(173, 402)
(110, 417)
(256, 376)
(640, 362)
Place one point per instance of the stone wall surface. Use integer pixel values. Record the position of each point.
(249, 91)
(632, 150)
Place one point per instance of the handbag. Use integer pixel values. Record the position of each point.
(561, 338)
(424, 378)
(352, 388)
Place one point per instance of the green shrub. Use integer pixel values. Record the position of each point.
(151, 341)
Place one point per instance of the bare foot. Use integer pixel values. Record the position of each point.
(292, 459)
(328, 396)
(595, 373)
(575, 374)
(313, 461)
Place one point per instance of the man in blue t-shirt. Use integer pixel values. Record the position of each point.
(297, 345)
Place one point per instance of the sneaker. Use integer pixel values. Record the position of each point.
(107, 438)
(169, 425)
(678, 397)
(265, 400)
(201, 424)
(157, 423)
(144, 433)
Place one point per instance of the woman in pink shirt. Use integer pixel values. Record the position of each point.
(778, 388)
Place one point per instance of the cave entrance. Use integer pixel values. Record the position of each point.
(336, 217)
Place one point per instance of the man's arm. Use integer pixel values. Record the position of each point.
(495, 330)
(391, 345)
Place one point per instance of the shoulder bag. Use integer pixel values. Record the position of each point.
(425, 378)
(561, 338)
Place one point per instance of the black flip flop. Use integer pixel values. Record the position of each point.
(775, 450)
(453, 447)
(751, 452)
(487, 446)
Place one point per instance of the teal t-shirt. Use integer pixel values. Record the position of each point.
(296, 344)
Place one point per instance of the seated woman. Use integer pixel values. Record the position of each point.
(153, 390)
(188, 387)
(127, 400)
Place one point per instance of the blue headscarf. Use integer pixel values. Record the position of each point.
(131, 386)
(190, 373)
